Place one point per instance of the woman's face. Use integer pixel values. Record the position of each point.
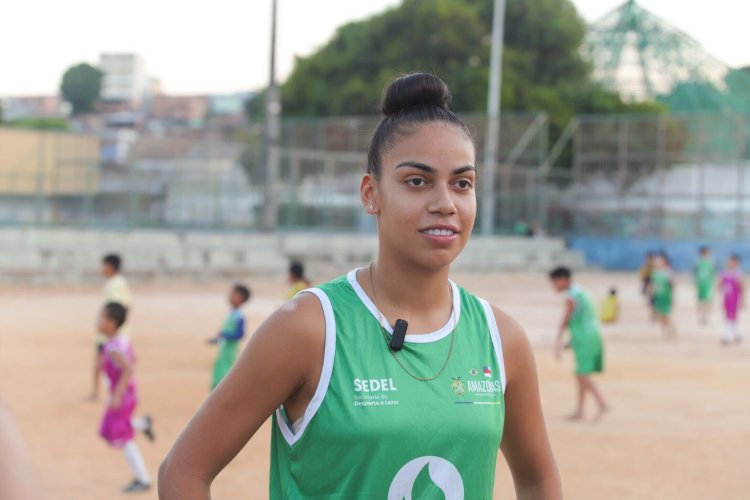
(425, 198)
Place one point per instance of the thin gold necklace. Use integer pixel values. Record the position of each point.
(381, 319)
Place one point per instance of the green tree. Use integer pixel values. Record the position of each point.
(543, 69)
(253, 107)
(80, 86)
(342, 78)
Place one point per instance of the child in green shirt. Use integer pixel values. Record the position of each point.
(586, 340)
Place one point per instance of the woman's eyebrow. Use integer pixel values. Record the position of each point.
(465, 168)
(416, 164)
(431, 170)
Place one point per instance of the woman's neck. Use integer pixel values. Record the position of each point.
(401, 290)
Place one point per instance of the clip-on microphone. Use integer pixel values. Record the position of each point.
(399, 333)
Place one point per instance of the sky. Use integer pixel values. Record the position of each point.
(222, 46)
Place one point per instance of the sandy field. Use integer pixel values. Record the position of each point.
(679, 429)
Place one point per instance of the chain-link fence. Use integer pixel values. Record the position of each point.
(630, 176)
(669, 176)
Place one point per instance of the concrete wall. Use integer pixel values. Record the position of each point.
(73, 256)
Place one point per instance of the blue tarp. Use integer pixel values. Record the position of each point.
(629, 254)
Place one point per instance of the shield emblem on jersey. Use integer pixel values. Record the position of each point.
(458, 387)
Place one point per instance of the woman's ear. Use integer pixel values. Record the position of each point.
(368, 193)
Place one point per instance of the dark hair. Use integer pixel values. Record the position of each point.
(116, 312)
(613, 291)
(560, 272)
(297, 269)
(703, 249)
(243, 291)
(113, 260)
(408, 101)
(735, 257)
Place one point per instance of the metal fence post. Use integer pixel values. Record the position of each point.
(40, 167)
(295, 163)
(661, 174)
(740, 227)
(701, 179)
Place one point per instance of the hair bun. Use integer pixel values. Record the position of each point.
(413, 91)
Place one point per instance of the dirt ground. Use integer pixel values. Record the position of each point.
(679, 429)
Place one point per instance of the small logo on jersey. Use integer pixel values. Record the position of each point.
(473, 372)
(458, 387)
(487, 372)
(443, 474)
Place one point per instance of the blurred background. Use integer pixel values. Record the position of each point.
(621, 122)
(212, 142)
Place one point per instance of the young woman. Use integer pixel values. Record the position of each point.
(354, 416)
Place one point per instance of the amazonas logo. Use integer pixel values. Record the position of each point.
(442, 473)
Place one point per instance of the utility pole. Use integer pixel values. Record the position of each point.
(271, 136)
(493, 118)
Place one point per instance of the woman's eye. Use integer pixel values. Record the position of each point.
(416, 182)
(464, 184)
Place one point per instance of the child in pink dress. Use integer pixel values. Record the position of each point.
(117, 426)
(731, 287)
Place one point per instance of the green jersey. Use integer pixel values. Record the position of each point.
(705, 276)
(373, 431)
(585, 336)
(661, 280)
(231, 333)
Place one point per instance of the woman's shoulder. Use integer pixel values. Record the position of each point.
(309, 308)
(300, 322)
(515, 343)
(511, 332)
(502, 319)
(510, 329)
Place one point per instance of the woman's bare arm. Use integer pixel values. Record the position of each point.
(525, 443)
(17, 477)
(281, 364)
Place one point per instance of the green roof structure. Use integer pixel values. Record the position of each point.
(643, 57)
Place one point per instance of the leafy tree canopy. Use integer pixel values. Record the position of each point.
(80, 86)
(543, 69)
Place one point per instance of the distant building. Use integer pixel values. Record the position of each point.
(180, 111)
(155, 87)
(34, 162)
(228, 111)
(125, 79)
(18, 108)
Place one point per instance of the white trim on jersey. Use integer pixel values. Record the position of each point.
(422, 338)
(325, 374)
(495, 335)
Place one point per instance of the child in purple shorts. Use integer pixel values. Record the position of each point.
(731, 287)
(117, 427)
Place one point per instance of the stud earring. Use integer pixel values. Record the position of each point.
(371, 207)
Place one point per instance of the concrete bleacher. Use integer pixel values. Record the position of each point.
(47, 256)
